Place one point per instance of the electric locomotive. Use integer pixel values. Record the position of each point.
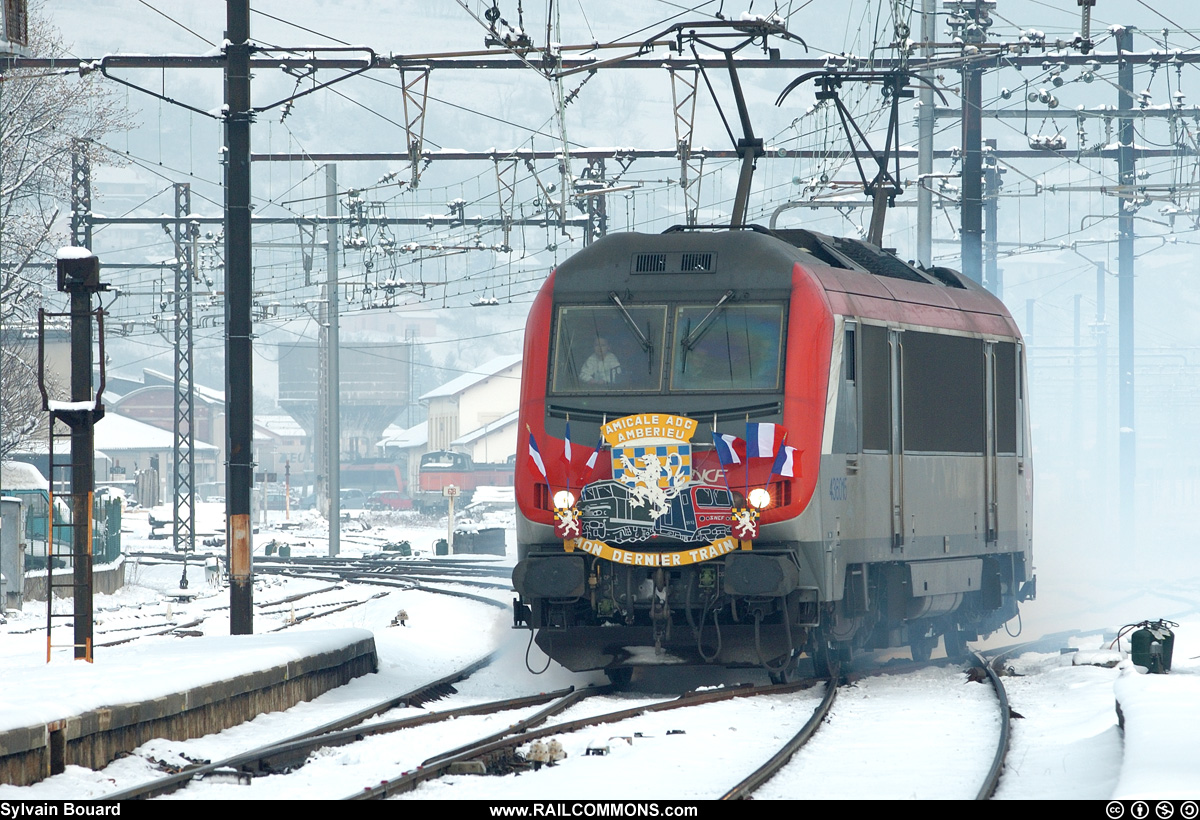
(889, 507)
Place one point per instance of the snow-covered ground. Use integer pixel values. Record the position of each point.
(1066, 744)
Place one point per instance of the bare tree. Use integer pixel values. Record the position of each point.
(45, 116)
(20, 399)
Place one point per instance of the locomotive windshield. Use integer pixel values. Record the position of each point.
(613, 347)
(715, 347)
(727, 347)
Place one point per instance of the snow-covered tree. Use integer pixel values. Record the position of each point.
(45, 115)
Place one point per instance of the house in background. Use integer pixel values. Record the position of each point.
(472, 402)
(493, 442)
(152, 402)
(281, 446)
(405, 447)
(143, 456)
(278, 439)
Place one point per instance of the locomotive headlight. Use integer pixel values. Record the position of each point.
(759, 498)
(564, 500)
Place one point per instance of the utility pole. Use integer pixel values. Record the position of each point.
(973, 35)
(79, 276)
(333, 434)
(991, 208)
(1077, 377)
(1101, 332)
(925, 121)
(1127, 177)
(239, 290)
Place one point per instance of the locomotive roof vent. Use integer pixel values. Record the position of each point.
(687, 262)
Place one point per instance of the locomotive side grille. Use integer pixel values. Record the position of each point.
(650, 263)
(696, 262)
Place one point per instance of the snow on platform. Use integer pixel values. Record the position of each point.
(1161, 718)
(171, 688)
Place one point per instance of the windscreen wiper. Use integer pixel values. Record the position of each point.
(645, 342)
(693, 338)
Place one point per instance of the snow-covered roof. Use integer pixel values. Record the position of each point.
(487, 429)
(17, 475)
(116, 433)
(402, 439)
(156, 377)
(281, 424)
(473, 377)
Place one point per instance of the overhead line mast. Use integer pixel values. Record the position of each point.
(239, 323)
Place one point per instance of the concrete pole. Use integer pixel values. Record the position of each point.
(1101, 394)
(925, 122)
(991, 214)
(972, 169)
(1077, 377)
(1127, 175)
(333, 386)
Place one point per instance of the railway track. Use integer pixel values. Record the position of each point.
(387, 565)
(495, 754)
(110, 629)
(990, 668)
(511, 753)
(292, 751)
(882, 713)
(508, 749)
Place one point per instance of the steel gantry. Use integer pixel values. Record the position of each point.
(184, 234)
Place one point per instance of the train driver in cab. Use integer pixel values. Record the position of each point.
(602, 367)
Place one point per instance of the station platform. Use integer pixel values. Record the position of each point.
(72, 712)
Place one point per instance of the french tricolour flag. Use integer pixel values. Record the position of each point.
(536, 457)
(567, 445)
(764, 440)
(785, 462)
(728, 447)
(591, 462)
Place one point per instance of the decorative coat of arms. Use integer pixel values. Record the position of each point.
(652, 456)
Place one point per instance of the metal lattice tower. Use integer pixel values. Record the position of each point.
(506, 187)
(81, 199)
(184, 234)
(416, 96)
(691, 169)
